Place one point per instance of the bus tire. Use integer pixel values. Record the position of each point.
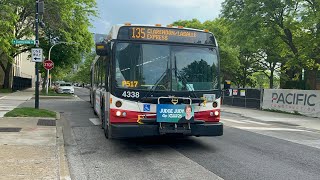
(94, 108)
(107, 131)
(103, 114)
(91, 103)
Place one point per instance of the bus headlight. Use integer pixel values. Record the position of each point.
(216, 113)
(118, 113)
(124, 114)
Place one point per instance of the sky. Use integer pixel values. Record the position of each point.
(111, 12)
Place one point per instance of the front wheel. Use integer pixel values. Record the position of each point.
(107, 131)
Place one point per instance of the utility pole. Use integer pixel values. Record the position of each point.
(37, 64)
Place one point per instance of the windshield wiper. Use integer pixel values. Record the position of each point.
(150, 92)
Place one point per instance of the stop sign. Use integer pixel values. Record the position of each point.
(48, 64)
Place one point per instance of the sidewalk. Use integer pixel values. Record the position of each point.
(30, 150)
(12, 100)
(267, 116)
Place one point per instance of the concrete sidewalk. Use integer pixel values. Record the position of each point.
(34, 151)
(30, 150)
(267, 116)
(12, 100)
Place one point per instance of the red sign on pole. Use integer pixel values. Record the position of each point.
(48, 64)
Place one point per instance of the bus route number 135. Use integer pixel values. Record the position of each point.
(131, 94)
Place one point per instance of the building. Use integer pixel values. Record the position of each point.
(22, 67)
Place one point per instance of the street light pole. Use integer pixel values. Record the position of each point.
(36, 103)
(63, 42)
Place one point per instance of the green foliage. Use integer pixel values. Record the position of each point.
(69, 23)
(30, 112)
(65, 21)
(7, 21)
(280, 32)
(5, 90)
(51, 92)
(83, 74)
(261, 80)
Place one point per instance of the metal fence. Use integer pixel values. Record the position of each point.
(21, 83)
(249, 98)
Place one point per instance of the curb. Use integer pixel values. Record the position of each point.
(55, 97)
(63, 162)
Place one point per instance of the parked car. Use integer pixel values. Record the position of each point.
(65, 88)
(57, 84)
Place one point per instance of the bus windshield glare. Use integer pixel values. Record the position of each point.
(166, 67)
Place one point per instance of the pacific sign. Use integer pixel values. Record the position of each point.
(305, 102)
(294, 98)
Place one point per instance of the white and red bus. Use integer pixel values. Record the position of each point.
(154, 80)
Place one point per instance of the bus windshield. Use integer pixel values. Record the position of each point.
(166, 67)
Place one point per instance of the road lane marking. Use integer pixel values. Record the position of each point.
(234, 121)
(95, 121)
(270, 129)
(255, 122)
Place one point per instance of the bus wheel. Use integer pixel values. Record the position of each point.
(107, 131)
(94, 110)
(91, 102)
(103, 115)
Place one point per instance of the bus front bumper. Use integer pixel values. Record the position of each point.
(145, 130)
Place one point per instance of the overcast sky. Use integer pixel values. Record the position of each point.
(152, 12)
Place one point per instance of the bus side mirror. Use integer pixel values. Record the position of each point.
(102, 49)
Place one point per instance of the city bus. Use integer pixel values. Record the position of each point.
(154, 80)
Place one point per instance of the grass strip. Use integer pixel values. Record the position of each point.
(30, 112)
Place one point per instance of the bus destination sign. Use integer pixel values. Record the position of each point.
(165, 34)
(159, 34)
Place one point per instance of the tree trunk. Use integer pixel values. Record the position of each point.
(45, 80)
(271, 79)
(7, 76)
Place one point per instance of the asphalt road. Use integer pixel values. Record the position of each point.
(243, 152)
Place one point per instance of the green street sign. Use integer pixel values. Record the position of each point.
(19, 41)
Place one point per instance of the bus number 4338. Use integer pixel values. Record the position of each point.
(131, 94)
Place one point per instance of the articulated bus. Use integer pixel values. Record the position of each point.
(154, 80)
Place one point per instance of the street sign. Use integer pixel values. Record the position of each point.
(25, 41)
(48, 64)
(36, 54)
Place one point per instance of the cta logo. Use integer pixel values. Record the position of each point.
(294, 98)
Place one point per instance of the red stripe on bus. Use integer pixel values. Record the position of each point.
(132, 116)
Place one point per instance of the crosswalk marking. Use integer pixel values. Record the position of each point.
(95, 121)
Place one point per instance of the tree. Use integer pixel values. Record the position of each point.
(83, 74)
(286, 24)
(9, 23)
(65, 21)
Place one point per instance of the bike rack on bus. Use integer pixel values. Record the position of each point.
(175, 100)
